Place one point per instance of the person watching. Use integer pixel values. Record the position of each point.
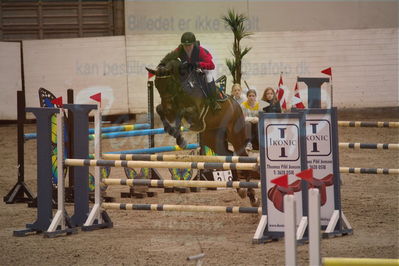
(236, 93)
(250, 108)
(273, 105)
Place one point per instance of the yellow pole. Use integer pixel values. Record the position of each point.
(359, 261)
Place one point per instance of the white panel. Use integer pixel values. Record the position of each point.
(10, 79)
(87, 65)
(364, 62)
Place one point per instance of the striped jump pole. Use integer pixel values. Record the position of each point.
(149, 164)
(182, 158)
(377, 171)
(180, 208)
(122, 128)
(367, 124)
(377, 146)
(181, 183)
(29, 136)
(132, 133)
(152, 150)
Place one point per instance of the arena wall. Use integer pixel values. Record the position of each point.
(359, 40)
(87, 65)
(364, 62)
(10, 79)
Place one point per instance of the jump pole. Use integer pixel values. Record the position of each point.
(147, 164)
(181, 208)
(182, 158)
(181, 183)
(97, 217)
(368, 124)
(59, 223)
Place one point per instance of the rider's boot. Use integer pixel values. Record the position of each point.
(212, 92)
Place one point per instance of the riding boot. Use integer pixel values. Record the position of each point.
(212, 94)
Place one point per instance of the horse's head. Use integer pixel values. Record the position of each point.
(168, 85)
(176, 99)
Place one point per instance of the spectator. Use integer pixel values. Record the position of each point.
(236, 93)
(250, 108)
(269, 96)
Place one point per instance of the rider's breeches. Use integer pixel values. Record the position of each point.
(211, 87)
(209, 75)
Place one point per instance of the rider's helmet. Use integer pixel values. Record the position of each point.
(188, 38)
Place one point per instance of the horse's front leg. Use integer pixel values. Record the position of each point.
(180, 141)
(174, 131)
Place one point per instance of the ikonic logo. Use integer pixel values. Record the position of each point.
(282, 144)
(318, 137)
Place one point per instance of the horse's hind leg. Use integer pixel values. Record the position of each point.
(237, 139)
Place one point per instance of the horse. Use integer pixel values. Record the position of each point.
(183, 98)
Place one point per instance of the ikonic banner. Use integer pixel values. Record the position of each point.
(320, 159)
(282, 155)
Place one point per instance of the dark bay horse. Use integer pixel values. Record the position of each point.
(217, 128)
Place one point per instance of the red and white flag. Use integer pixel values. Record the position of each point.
(150, 75)
(280, 93)
(280, 90)
(296, 100)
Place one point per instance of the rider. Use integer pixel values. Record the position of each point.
(193, 56)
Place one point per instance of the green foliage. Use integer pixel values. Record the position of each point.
(236, 23)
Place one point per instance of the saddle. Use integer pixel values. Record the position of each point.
(195, 85)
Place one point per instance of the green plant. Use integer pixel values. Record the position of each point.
(236, 23)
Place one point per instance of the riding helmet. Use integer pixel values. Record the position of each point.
(188, 38)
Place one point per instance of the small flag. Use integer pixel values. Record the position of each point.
(306, 174)
(298, 103)
(57, 101)
(327, 71)
(280, 89)
(281, 181)
(96, 97)
(284, 105)
(150, 75)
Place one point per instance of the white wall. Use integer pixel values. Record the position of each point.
(10, 79)
(87, 65)
(364, 62)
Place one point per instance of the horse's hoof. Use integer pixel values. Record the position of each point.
(242, 193)
(255, 202)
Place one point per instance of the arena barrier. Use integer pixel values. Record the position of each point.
(367, 124)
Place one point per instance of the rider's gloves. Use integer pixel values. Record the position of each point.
(192, 66)
(188, 66)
